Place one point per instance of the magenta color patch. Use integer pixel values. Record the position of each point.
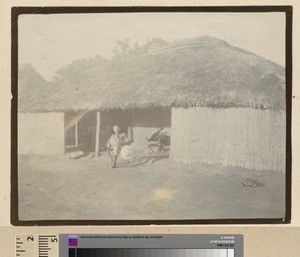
(73, 240)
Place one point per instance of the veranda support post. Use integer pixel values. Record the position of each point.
(97, 144)
(76, 134)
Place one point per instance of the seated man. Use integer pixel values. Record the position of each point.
(115, 143)
(158, 139)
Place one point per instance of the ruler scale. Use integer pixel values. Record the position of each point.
(29, 246)
(25, 245)
(48, 246)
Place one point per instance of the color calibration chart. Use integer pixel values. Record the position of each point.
(151, 252)
(95, 245)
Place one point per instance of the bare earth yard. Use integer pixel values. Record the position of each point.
(151, 187)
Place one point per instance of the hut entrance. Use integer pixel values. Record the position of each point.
(136, 123)
(80, 131)
(144, 123)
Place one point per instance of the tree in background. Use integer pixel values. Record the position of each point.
(79, 71)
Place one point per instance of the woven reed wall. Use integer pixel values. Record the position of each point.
(41, 133)
(245, 137)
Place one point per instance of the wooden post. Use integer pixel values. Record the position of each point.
(65, 132)
(130, 134)
(129, 128)
(97, 145)
(76, 133)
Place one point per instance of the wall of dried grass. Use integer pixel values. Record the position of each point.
(41, 133)
(245, 137)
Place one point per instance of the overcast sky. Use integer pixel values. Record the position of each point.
(51, 41)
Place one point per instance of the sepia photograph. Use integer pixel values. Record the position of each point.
(152, 116)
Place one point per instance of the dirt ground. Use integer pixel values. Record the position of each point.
(151, 187)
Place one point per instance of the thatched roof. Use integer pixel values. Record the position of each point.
(202, 71)
(32, 88)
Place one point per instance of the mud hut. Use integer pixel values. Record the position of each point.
(39, 132)
(221, 104)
